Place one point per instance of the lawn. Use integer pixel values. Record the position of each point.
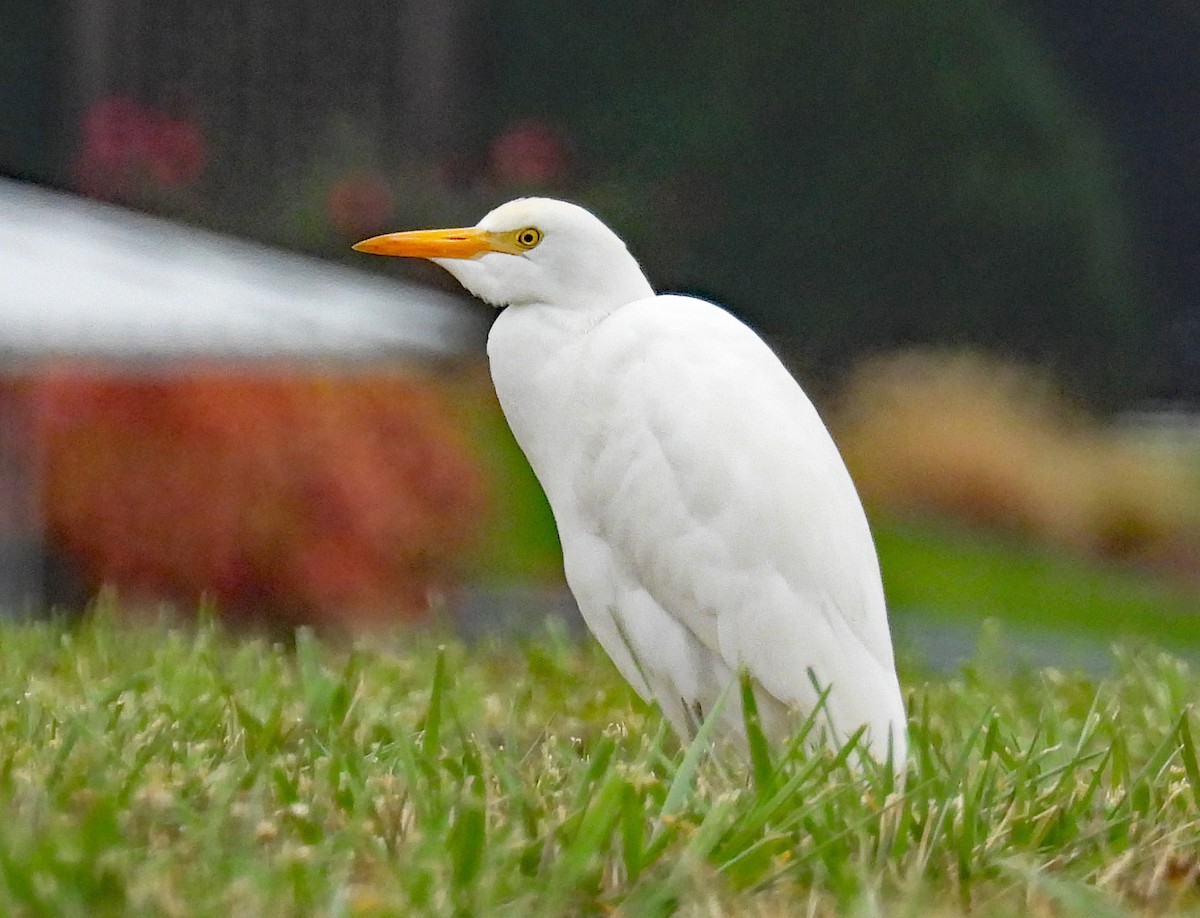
(156, 769)
(953, 574)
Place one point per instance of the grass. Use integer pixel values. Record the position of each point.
(147, 769)
(956, 574)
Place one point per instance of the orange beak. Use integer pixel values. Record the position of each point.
(443, 243)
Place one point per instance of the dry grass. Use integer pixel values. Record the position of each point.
(997, 444)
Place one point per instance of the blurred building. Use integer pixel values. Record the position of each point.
(89, 283)
(272, 121)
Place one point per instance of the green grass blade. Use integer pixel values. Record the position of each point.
(685, 775)
(1187, 752)
(760, 754)
(432, 724)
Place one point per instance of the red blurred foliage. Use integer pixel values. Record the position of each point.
(529, 153)
(300, 499)
(359, 205)
(124, 144)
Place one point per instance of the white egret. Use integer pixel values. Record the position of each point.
(707, 521)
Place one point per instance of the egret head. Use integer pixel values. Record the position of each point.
(531, 250)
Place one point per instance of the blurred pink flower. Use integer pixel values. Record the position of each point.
(114, 133)
(359, 204)
(529, 153)
(124, 143)
(177, 153)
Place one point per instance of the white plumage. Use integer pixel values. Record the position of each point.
(707, 521)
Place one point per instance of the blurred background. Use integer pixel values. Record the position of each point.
(969, 227)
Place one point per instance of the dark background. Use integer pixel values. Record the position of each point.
(1022, 179)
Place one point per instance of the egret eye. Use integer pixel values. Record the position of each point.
(528, 237)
